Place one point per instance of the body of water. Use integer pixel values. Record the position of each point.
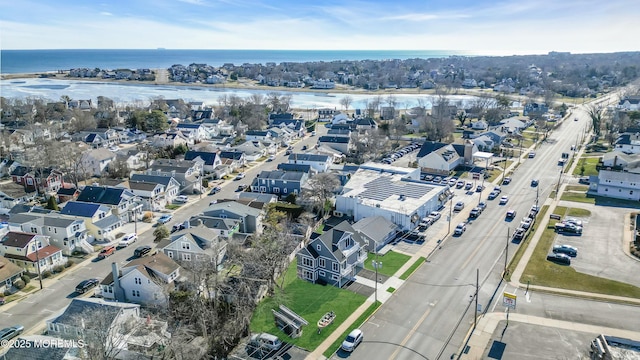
(32, 61)
(130, 93)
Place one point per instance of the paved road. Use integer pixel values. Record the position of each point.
(430, 315)
(58, 293)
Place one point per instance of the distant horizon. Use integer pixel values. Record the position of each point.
(508, 27)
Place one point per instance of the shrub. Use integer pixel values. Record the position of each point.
(46, 274)
(7, 292)
(19, 284)
(147, 217)
(25, 278)
(58, 269)
(205, 183)
(68, 264)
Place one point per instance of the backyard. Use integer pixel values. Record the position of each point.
(311, 302)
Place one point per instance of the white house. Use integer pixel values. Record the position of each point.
(94, 162)
(146, 280)
(318, 162)
(628, 143)
(617, 184)
(480, 125)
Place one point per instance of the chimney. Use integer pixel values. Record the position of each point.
(118, 293)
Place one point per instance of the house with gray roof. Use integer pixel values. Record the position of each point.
(224, 228)
(254, 150)
(124, 331)
(318, 162)
(68, 233)
(197, 245)
(250, 218)
(96, 161)
(335, 257)
(377, 230)
(280, 183)
(340, 143)
(187, 172)
(145, 280)
(31, 252)
(169, 183)
(99, 219)
(151, 195)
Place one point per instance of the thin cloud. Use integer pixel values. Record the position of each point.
(106, 13)
(425, 17)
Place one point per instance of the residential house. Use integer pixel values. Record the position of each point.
(67, 194)
(377, 231)
(250, 218)
(394, 193)
(224, 228)
(318, 162)
(363, 124)
(193, 132)
(479, 125)
(210, 160)
(251, 135)
(281, 135)
(146, 280)
(616, 184)
(254, 150)
(197, 244)
(96, 161)
(12, 194)
(98, 219)
(534, 109)
(31, 252)
(124, 331)
(327, 113)
(496, 135)
(335, 257)
(513, 124)
(68, 233)
(387, 113)
(42, 180)
(294, 125)
(99, 137)
(172, 139)
(628, 143)
(188, 173)
(278, 182)
(629, 103)
(233, 159)
(618, 160)
(170, 184)
(340, 143)
(151, 194)
(9, 273)
(123, 203)
(483, 143)
(441, 158)
(135, 159)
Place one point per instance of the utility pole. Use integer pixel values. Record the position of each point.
(450, 214)
(559, 179)
(475, 311)
(38, 260)
(376, 265)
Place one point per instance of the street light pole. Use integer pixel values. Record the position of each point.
(376, 264)
(506, 255)
(38, 260)
(450, 214)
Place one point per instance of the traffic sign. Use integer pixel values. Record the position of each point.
(509, 300)
(476, 176)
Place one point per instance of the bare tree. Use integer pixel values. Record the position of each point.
(346, 102)
(596, 114)
(320, 189)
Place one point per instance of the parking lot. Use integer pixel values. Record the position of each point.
(600, 247)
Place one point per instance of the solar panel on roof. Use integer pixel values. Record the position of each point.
(382, 188)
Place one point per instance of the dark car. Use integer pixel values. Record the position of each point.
(506, 181)
(534, 182)
(86, 285)
(559, 258)
(304, 147)
(141, 251)
(215, 190)
(566, 249)
(11, 332)
(511, 214)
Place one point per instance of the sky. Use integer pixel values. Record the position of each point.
(486, 27)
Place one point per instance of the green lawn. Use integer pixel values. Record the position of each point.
(391, 289)
(589, 166)
(541, 272)
(583, 188)
(578, 197)
(336, 344)
(391, 262)
(576, 212)
(311, 301)
(172, 206)
(413, 268)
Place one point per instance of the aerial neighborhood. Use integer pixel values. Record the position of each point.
(188, 226)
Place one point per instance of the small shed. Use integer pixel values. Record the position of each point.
(288, 321)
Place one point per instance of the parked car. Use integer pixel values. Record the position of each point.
(559, 258)
(526, 223)
(435, 215)
(566, 249)
(506, 181)
(468, 186)
(460, 229)
(519, 234)
(458, 206)
(128, 240)
(504, 200)
(265, 341)
(584, 180)
(240, 176)
(181, 198)
(428, 177)
(106, 251)
(569, 228)
(313, 133)
(85, 285)
(165, 218)
(534, 182)
(534, 209)
(215, 190)
(242, 187)
(460, 184)
(353, 340)
(492, 195)
(141, 251)
(304, 147)
(479, 188)
(452, 182)
(425, 223)
(271, 158)
(288, 152)
(482, 205)
(572, 221)
(437, 179)
(532, 154)
(497, 189)
(475, 212)
(511, 214)
(562, 161)
(11, 332)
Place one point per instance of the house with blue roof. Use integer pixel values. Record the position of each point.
(234, 159)
(295, 167)
(193, 131)
(99, 220)
(123, 203)
(251, 135)
(187, 172)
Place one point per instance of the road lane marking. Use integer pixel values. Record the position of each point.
(411, 332)
(473, 254)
